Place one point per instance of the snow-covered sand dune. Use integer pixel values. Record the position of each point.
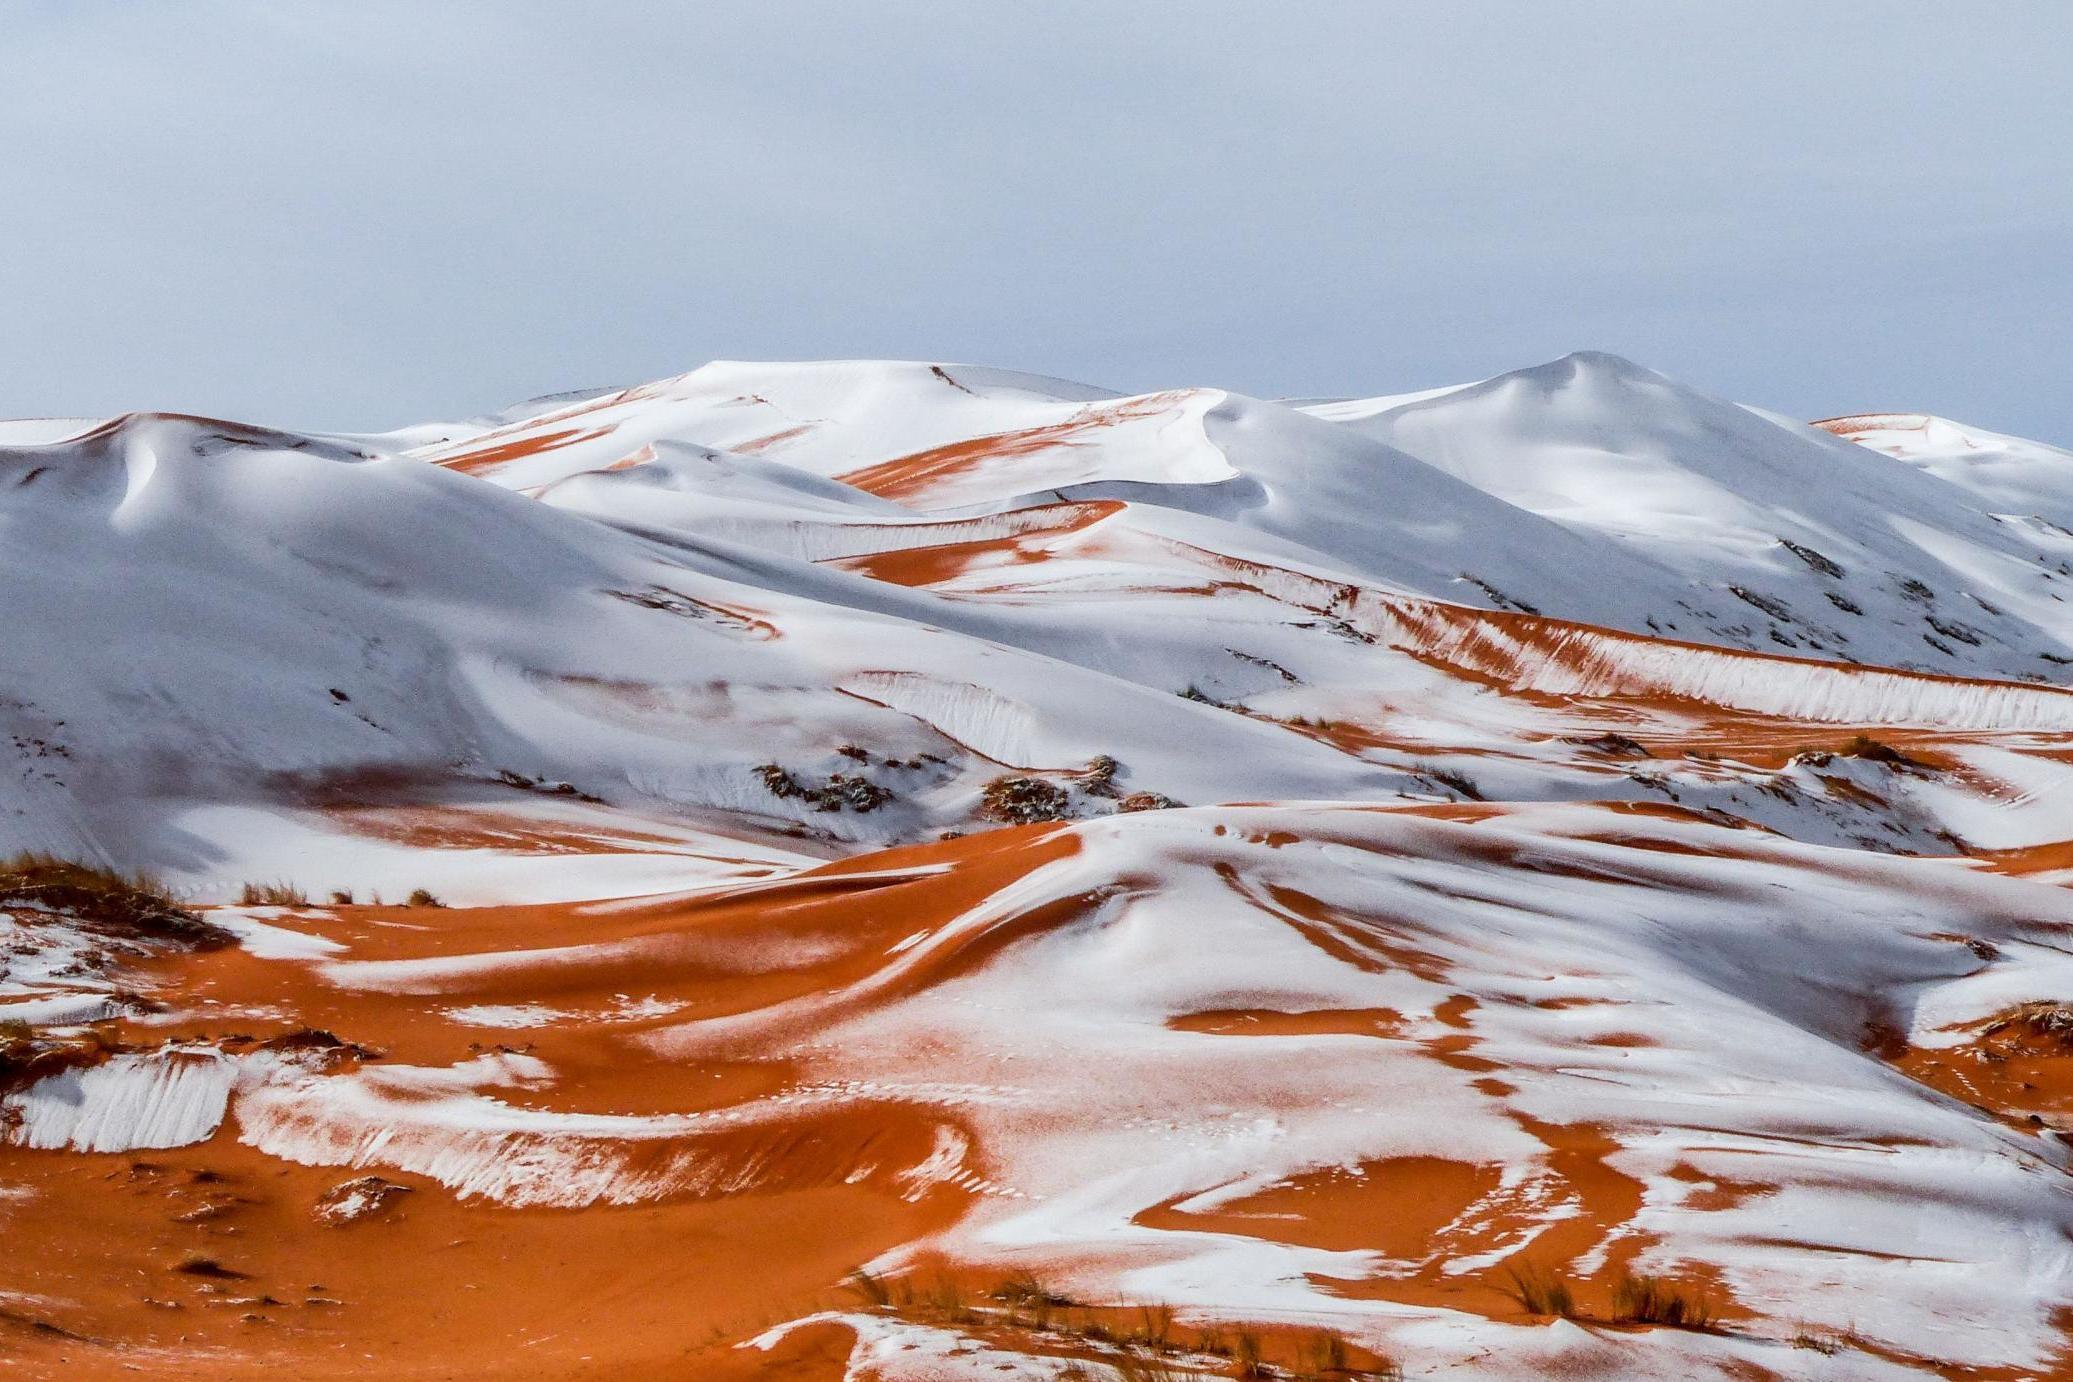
(1559, 875)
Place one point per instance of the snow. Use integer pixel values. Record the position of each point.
(129, 1102)
(505, 1015)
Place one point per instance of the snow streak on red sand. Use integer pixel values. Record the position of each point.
(883, 871)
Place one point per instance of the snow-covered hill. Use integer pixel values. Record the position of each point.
(1588, 488)
(1143, 878)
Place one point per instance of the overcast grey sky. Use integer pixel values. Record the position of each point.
(361, 214)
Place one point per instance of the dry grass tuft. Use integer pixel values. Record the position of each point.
(1129, 1367)
(1154, 1327)
(1118, 1341)
(1029, 1301)
(279, 893)
(1636, 1299)
(1540, 1291)
(1245, 1352)
(1324, 1352)
(874, 1291)
(1653, 1300)
(945, 1299)
(422, 897)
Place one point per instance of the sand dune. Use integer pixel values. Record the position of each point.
(882, 870)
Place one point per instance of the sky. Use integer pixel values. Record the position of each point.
(358, 215)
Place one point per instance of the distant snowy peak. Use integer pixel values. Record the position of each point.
(1599, 440)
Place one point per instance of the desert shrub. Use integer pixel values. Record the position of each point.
(1610, 742)
(871, 1289)
(1825, 565)
(1875, 751)
(838, 792)
(1245, 1352)
(1769, 604)
(1540, 1291)
(945, 1299)
(279, 893)
(1023, 1288)
(1324, 1354)
(1324, 1351)
(1453, 779)
(341, 897)
(126, 904)
(26, 1056)
(1955, 631)
(18, 1050)
(853, 792)
(1636, 1299)
(1147, 801)
(1154, 1326)
(422, 897)
(1823, 1341)
(319, 1041)
(778, 782)
(1023, 800)
(1130, 1368)
(1653, 1300)
(2042, 1022)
